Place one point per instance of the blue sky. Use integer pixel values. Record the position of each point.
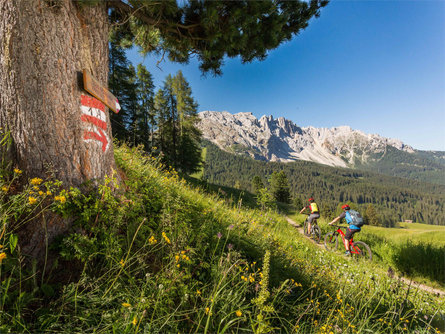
(377, 66)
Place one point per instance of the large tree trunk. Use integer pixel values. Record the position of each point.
(44, 46)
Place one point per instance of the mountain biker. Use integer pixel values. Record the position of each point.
(350, 219)
(315, 213)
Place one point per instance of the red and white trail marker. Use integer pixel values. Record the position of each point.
(94, 120)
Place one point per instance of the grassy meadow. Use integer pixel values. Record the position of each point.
(155, 253)
(416, 251)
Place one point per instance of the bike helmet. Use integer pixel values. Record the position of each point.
(310, 199)
(345, 207)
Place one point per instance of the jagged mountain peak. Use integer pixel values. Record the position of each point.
(281, 140)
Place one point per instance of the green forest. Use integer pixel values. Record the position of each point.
(426, 166)
(162, 121)
(395, 199)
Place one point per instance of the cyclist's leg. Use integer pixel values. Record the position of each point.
(348, 237)
(312, 217)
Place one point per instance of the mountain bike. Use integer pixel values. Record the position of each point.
(358, 249)
(315, 232)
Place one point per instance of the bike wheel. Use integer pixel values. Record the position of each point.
(331, 241)
(361, 250)
(316, 233)
(305, 228)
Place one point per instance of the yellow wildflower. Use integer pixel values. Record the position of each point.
(152, 240)
(177, 258)
(17, 171)
(208, 311)
(36, 181)
(165, 237)
(122, 262)
(135, 321)
(41, 193)
(239, 313)
(49, 193)
(61, 199)
(2, 257)
(198, 292)
(126, 305)
(32, 200)
(36, 188)
(5, 189)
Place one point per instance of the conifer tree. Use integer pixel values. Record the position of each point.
(145, 111)
(257, 184)
(122, 83)
(44, 64)
(280, 187)
(371, 216)
(265, 199)
(132, 107)
(189, 143)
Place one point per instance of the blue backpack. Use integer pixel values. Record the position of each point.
(354, 218)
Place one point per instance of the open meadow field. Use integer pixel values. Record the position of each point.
(416, 251)
(410, 231)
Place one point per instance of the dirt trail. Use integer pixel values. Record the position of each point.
(407, 281)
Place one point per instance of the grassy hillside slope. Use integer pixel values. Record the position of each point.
(159, 255)
(412, 250)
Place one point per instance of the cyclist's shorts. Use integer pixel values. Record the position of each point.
(350, 232)
(313, 216)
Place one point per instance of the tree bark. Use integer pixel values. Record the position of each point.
(44, 46)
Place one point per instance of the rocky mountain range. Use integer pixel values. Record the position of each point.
(282, 140)
(271, 139)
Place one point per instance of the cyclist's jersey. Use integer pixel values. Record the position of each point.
(351, 226)
(313, 207)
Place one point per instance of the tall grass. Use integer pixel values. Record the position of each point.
(157, 255)
(416, 251)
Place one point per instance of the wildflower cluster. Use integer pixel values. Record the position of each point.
(167, 240)
(61, 199)
(181, 257)
(152, 240)
(249, 274)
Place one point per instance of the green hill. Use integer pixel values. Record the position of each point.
(426, 166)
(160, 255)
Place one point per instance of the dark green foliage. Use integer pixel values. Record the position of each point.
(420, 165)
(395, 199)
(279, 186)
(164, 124)
(122, 84)
(211, 30)
(371, 216)
(177, 138)
(297, 202)
(145, 121)
(257, 184)
(265, 199)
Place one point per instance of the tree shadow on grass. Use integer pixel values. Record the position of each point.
(422, 259)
